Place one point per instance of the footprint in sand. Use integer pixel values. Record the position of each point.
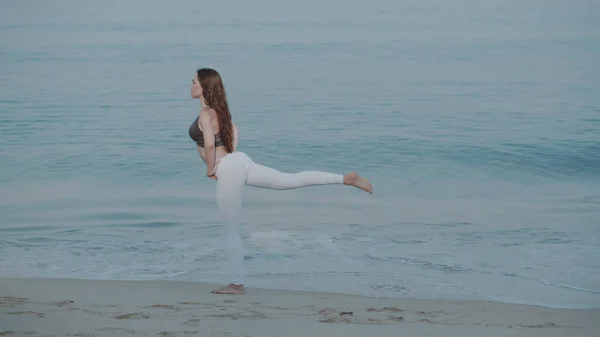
(38, 314)
(10, 301)
(340, 319)
(97, 305)
(133, 315)
(545, 325)
(331, 315)
(178, 333)
(248, 314)
(384, 309)
(164, 306)
(435, 313)
(193, 321)
(431, 314)
(350, 319)
(111, 329)
(327, 311)
(191, 303)
(276, 308)
(63, 303)
(426, 320)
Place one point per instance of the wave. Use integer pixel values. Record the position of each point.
(578, 159)
(421, 263)
(564, 286)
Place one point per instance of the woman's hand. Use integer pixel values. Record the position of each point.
(212, 176)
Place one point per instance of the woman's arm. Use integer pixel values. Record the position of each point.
(235, 136)
(205, 122)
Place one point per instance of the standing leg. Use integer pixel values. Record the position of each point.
(231, 177)
(264, 176)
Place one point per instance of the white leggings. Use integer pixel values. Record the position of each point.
(236, 170)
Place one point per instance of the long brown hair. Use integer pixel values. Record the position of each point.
(216, 98)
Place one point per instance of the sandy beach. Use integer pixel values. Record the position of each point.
(69, 307)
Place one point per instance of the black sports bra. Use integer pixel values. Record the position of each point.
(198, 136)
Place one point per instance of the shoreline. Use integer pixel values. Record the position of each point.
(67, 307)
(299, 292)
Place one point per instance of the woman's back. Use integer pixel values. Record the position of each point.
(209, 117)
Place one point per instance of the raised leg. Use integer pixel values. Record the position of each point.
(264, 176)
(267, 177)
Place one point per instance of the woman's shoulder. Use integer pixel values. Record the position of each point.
(208, 114)
(207, 111)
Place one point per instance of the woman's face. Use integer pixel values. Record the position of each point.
(196, 88)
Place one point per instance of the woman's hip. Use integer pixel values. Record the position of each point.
(233, 163)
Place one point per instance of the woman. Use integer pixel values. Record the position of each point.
(216, 139)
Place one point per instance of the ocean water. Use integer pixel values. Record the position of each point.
(478, 123)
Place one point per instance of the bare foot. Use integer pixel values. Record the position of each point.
(231, 289)
(354, 179)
